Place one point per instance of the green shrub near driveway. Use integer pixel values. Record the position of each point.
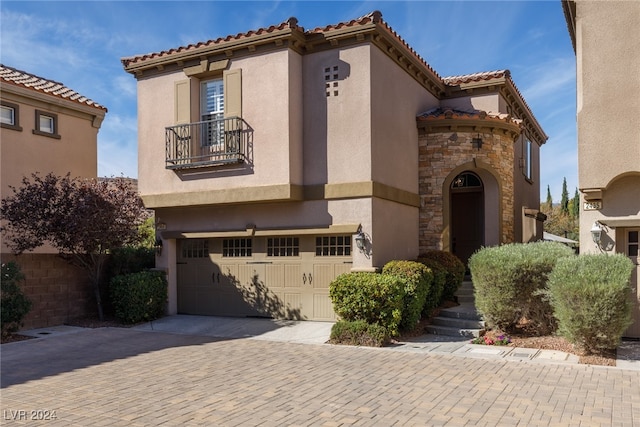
(139, 297)
(590, 298)
(359, 332)
(372, 297)
(434, 297)
(509, 282)
(417, 279)
(455, 271)
(14, 304)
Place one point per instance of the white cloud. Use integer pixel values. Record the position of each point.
(117, 146)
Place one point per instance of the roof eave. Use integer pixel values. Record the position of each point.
(228, 47)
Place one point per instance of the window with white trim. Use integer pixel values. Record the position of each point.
(212, 111)
(46, 124)
(9, 117)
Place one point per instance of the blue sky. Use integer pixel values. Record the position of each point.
(80, 43)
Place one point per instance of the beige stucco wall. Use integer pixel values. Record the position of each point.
(276, 129)
(608, 107)
(396, 100)
(337, 128)
(608, 89)
(23, 153)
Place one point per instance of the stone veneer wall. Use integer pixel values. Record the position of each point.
(59, 291)
(439, 155)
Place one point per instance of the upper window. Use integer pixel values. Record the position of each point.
(212, 112)
(46, 124)
(9, 116)
(526, 155)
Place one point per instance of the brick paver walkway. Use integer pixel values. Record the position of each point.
(122, 377)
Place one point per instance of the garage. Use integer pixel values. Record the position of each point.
(278, 274)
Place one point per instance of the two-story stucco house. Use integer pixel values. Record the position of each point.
(279, 158)
(47, 127)
(606, 40)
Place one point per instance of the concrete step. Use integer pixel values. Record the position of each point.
(457, 323)
(466, 299)
(452, 332)
(462, 311)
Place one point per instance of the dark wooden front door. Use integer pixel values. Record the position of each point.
(467, 217)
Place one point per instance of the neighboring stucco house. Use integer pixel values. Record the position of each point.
(606, 39)
(46, 127)
(278, 158)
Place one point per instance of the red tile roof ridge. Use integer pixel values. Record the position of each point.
(476, 77)
(376, 18)
(289, 23)
(40, 84)
(439, 113)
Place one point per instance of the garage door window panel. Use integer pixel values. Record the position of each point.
(283, 246)
(333, 245)
(236, 248)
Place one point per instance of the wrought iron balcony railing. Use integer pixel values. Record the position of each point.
(207, 143)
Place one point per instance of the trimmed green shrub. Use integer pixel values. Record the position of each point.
(14, 305)
(455, 271)
(139, 297)
(434, 297)
(590, 298)
(417, 279)
(127, 259)
(359, 332)
(372, 297)
(509, 283)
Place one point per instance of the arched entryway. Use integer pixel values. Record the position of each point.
(467, 215)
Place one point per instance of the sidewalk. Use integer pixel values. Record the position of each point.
(309, 332)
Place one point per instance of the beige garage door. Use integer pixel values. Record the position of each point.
(273, 276)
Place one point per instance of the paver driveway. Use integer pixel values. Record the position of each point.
(124, 377)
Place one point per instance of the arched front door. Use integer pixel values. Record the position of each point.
(467, 215)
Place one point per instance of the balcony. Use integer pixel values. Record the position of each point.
(207, 143)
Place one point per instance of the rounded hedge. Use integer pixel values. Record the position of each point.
(372, 297)
(417, 279)
(590, 298)
(455, 271)
(509, 283)
(139, 297)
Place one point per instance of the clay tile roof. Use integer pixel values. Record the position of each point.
(440, 113)
(289, 23)
(476, 77)
(39, 84)
(375, 17)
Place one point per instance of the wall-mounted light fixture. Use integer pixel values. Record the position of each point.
(477, 142)
(158, 246)
(361, 241)
(596, 233)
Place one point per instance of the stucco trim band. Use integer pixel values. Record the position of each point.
(249, 232)
(285, 192)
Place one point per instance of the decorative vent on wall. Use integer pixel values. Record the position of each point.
(331, 76)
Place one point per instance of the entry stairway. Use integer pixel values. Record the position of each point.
(460, 321)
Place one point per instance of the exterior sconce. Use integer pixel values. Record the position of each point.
(361, 241)
(596, 233)
(158, 246)
(477, 142)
